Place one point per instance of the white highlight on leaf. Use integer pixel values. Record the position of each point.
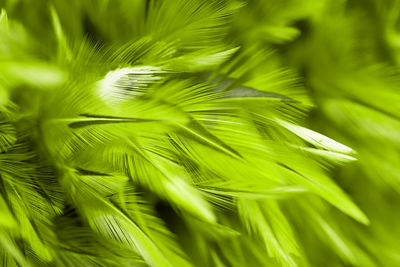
(122, 84)
(315, 138)
(334, 156)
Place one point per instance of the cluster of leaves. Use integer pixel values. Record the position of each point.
(171, 133)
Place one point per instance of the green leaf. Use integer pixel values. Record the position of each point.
(199, 133)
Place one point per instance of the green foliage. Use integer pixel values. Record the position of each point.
(189, 133)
